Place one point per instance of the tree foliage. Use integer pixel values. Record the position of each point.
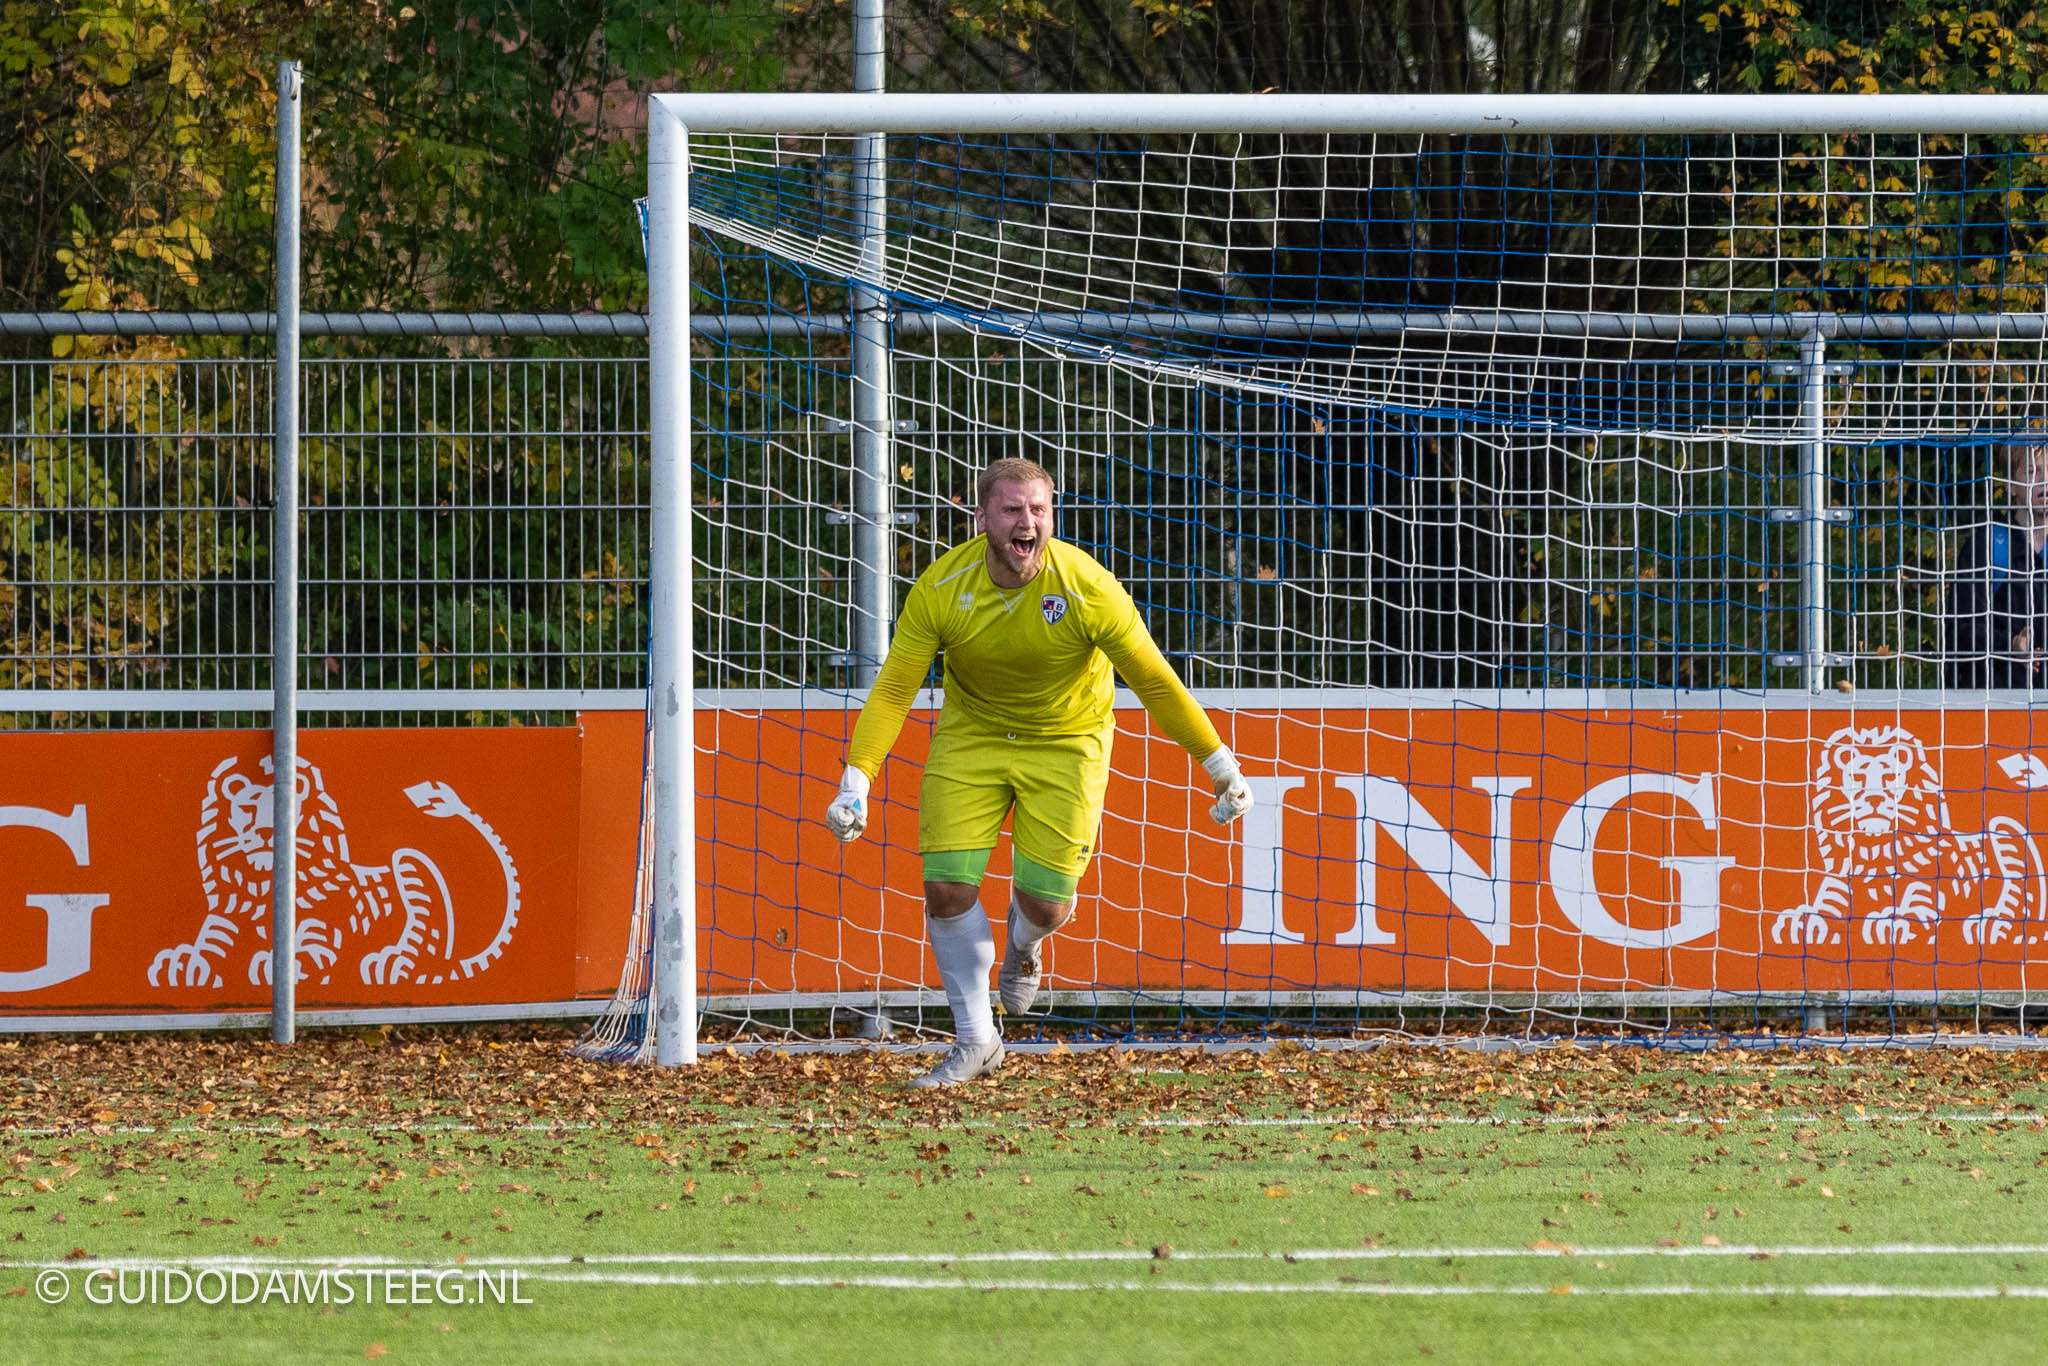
(482, 154)
(1306, 46)
(141, 136)
(457, 153)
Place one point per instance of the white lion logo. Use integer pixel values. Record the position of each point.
(402, 910)
(1890, 855)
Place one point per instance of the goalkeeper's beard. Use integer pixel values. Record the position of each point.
(1008, 563)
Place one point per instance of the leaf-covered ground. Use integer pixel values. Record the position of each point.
(1145, 1204)
(498, 1078)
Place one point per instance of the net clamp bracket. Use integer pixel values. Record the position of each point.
(1840, 516)
(854, 518)
(1826, 659)
(1836, 368)
(844, 426)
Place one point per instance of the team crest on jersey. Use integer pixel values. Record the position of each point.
(1054, 606)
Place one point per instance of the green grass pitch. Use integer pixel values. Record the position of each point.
(358, 1193)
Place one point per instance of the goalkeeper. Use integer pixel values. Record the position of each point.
(1031, 628)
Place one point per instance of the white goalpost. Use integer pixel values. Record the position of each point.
(1591, 517)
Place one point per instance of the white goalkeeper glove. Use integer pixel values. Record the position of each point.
(1233, 793)
(848, 814)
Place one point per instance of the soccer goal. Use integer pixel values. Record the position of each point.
(1604, 527)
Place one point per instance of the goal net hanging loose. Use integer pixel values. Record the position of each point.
(1601, 526)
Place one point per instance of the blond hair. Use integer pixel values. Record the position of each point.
(1010, 470)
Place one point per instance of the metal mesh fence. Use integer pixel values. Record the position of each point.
(473, 537)
(474, 530)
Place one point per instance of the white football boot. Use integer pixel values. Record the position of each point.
(963, 1063)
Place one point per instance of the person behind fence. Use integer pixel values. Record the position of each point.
(1997, 629)
(1031, 628)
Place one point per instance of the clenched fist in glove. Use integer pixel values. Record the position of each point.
(1233, 793)
(847, 817)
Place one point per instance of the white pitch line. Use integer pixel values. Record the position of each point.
(1825, 1291)
(1048, 1256)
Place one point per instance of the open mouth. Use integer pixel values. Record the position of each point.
(1023, 546)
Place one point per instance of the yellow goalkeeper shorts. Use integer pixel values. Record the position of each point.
(1055, 785)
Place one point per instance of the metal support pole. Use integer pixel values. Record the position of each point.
(1813, 500)
(284, 575)
(1811, 372)
(669, 694)
(873, 399)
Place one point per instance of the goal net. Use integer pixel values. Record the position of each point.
(1610, 548)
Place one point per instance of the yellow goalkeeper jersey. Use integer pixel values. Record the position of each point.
(1035, 660)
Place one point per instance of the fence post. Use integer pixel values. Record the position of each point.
(1813, 498)
(873, 377)
(284, 573)
(1813, 514)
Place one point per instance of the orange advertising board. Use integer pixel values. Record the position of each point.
(435, 868)
(1675, 854)
(1415, 853)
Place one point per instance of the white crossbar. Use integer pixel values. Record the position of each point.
(884, 113)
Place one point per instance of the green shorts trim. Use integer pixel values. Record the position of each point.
(1035, 879)
(1029, 875)
(957, 865)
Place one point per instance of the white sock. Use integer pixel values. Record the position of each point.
(1023, 931)
(965, 948)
